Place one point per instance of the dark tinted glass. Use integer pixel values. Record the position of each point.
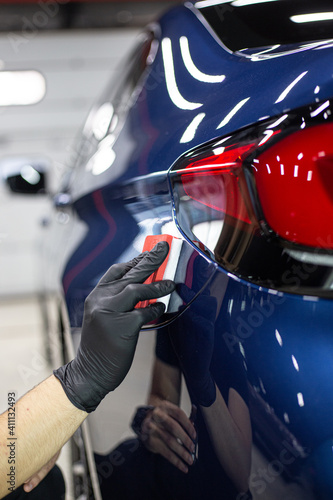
(268, 23)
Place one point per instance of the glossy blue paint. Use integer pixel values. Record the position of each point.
(257, 84)
(288, 346)
(286, 339)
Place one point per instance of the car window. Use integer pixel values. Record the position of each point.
(243, 24)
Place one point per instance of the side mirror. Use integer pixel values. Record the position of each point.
(25, 175)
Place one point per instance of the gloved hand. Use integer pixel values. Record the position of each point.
(111, 327)
(192, 336)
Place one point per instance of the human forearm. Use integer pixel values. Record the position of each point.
(230, 432)
(165, 385)
(49, 414)
(45, 420)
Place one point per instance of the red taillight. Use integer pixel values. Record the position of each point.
(217, 182)
(294, 180)
(261, 201)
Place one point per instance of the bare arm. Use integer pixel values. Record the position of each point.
(44, 420)
(193, 339)
(165, 384)
(47, 416)
(230, 431)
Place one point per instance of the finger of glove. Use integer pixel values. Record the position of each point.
(119, 270)
(150, 262)
(147, 314)
(133, 293)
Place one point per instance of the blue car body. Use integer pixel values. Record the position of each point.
(121, 187)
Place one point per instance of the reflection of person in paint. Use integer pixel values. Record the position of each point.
(49, 414)
(160, 462)
(246, 326)
(262, 477)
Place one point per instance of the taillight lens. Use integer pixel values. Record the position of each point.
(215, 181)
(262, 199)
(294, 180)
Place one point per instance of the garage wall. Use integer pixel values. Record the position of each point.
(76, 66)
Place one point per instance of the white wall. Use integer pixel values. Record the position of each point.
(76, 66)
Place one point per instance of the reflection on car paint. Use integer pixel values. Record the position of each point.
(190, 93)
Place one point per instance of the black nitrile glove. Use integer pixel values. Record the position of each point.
(111, 327)
(192, 336)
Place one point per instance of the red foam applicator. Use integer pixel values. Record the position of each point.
(168, 268)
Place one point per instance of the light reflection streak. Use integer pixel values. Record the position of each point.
(209, 3)
(300, 399)
(321, 108)
(266, 51)
(318, 45)
(104, 157)
(232, 113)
(30, 174)
(243, 3)
(294, 360)
(326, 46)
(102, 120)
(280, 120)
(170, 79)
(222, 140)
(290, 87)
(212, 166)
(260, 56)
(190, 131)
(268, 134)
(192, 69)
(278, 338)
(102, 160)
(311, 18)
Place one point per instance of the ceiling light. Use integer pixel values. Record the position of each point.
(21, 88)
